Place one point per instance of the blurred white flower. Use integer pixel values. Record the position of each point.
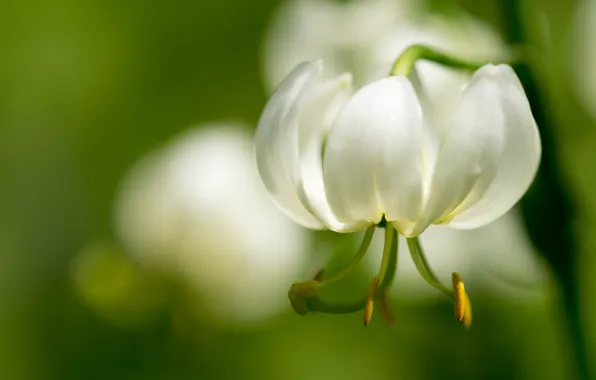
(339, 33)
(197, 208)
(365, 36)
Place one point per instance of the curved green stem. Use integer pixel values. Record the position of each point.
(368, 235)
(423, 266)
(405, 63)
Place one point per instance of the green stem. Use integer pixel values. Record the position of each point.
(386, 253)
(389, 261)
(423, 266)
(368, 235)
(405, 63)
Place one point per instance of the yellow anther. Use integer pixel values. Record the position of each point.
(467, 321)
(368, 307)
(459, 295)
(463, 307)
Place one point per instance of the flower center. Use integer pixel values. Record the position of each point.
(304, 296)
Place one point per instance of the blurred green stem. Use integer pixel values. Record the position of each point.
(548, 199)
(389, 261)
(406, 61)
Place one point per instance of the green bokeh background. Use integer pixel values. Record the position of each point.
(87, 87)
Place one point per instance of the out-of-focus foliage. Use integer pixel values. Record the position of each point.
(88, 88)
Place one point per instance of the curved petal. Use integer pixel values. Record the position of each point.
(289, 144)
(469, 155)
(318, 111)
(518, 162)
(276, 143)
(373, 159)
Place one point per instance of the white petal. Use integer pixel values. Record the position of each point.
(471, 150)
(276, 143)
(432, 134)
(519, 159)
(290, 142)
(373, 159)
(318, 111)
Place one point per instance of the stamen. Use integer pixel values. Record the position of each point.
(370, 300)
(424, 268)
(387, 271)
(388, 262)
(462, 305)
(468, 314)
(368, 235)
(304, 299)
(300, 293)
(459, 295)
(304, 295)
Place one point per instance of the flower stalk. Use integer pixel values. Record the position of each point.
(406, 61)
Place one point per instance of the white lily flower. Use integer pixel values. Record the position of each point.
(197, 208)
(331, 161)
